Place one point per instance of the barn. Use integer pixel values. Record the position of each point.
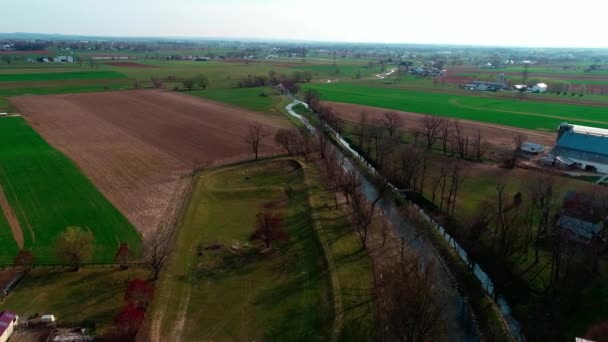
(539, 88)
(586, 146)
(8, 320)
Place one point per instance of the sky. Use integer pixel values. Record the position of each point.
(534, 23)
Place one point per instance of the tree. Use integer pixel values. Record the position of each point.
(123, 256)
(269, 228)
(156, 249)
(444, 134)
(412, 301)
(157, 82)
(363, 215)
(188, 83)
(7, 59)
(312, 98)
(544, 198)
(128, 321)
(287, 139)
(74, 246)
(24, 258)
(392, 122)
(432, 128)
(202, 81)
(254, 137)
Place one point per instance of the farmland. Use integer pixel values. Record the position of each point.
(523, 114)
(48, 193)
(138, 147)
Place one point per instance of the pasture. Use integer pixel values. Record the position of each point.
(48, 192)
(524, 114)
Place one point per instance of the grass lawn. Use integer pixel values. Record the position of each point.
(48, 193)
(524, 114)
(90, 297)
(227, 295)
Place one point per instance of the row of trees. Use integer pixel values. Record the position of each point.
(273, 79)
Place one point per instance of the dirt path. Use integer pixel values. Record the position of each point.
(12, 219)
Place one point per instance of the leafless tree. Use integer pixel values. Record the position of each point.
(287, 139)
(412, 302)
(363, 126)
(254, 137)
(445, 134)
(392, 122)
(432, 129)
(323, 144)
(456, 179)
(459, 139)
(157, 82)
(363, 215)
(156, 249)
(545, 200)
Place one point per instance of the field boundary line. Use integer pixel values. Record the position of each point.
(329, 260)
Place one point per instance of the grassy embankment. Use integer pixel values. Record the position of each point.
(245, 294)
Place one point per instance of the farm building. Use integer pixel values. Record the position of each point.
(531, 147)
(540, 88)
(8, 320)
(581, 217)
(484, 86)
(579, 230)
(585, 146)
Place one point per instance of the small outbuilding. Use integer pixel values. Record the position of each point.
(540, 88)
(531, 147)
(8, 321)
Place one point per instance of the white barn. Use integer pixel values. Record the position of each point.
(586, 146)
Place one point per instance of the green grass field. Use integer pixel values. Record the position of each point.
(91, 297)
(524, 114)
(61, 76)
(260, 99)
(225, 295)
(48, 193)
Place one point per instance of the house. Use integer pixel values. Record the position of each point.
(64, 59)
(531, 147)
(520, 87)
(540, 88)
(581, 218)
(558, 162)
(586, 146)
(484, 86)
(8, 321)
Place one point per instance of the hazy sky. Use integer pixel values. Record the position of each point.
(509, 22)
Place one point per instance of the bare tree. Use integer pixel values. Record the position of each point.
(74, 246)
(412, 301)
(392, 122)
(445, 133)
(363, 215)
(287, 139)
(432, 128)
(202, 81)
(156, 249)
(544, 199)
(157, 82)
(254, 137)
(269, 228)
(363, 123)
(459, 138)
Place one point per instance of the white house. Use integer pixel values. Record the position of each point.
(540, 88)
(8, 320)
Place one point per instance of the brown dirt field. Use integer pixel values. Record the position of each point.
(138, 146)
(499, 137)
(12, 219)
(131, 65)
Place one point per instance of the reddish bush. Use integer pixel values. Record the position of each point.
(129, 320)
(139, 293)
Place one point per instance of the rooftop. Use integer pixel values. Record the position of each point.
(5, 320)
(582, 138)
